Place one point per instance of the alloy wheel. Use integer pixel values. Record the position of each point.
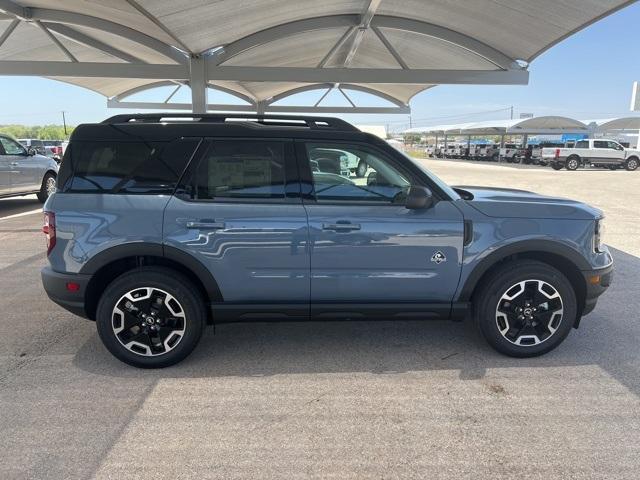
(50, 186)
(148, 321)
(529, 312)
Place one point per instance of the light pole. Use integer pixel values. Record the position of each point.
(64, 123)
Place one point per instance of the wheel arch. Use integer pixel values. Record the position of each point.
(555, 254)
(114, 261)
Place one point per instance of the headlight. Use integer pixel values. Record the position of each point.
(598, 235)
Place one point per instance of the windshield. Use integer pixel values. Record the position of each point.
(434, 178)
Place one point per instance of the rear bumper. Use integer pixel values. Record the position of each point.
(597, 282)
(55, 284)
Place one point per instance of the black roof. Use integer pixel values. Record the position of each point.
(168, 126)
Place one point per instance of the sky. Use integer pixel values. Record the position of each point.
(587, 76)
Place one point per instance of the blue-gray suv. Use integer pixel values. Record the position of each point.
(164, 223)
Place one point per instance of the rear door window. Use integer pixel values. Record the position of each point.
(126, 167)
(242, 169)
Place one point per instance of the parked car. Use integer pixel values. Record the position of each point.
(533, 153)
(160, 226)
(594, 152)
(511, 152)
(53, 149)
(24, 172)
(33, 144)
(488, 151)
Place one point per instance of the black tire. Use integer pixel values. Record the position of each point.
(169, 281)
(631, 164)
(557, 166)
(361, 169)
(46, 188)
(572, 163)
(500, 282)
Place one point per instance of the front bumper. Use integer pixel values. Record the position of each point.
(597, 282)
(55, 284)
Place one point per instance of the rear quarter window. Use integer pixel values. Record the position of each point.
(125, 167)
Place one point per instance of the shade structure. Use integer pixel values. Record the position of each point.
(537, 125)
(615, 124)
(262, 51)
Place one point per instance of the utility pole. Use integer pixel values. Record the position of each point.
(64, 123)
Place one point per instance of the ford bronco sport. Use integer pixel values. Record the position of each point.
(164, 223)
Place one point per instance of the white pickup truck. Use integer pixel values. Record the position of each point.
(594, 152)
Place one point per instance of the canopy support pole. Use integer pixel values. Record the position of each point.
(198, 83)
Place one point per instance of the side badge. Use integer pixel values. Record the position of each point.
(438, 258)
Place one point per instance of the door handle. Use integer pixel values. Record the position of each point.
(14, 164)
(206, 225)
(341, 226)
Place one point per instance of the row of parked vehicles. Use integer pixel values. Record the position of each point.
(598, 153)
(49, 148)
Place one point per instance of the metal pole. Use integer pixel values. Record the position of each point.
(198, 84)
(64, 123)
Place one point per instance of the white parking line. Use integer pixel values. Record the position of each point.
(31, 212)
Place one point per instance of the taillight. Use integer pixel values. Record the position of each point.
(49, 229)
(557, 153)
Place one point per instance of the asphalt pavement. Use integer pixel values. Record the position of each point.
(342, 400)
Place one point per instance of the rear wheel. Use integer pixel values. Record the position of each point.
(525, 308)
(572, 163)
(47, 188)
(150, 317)
(631, 164)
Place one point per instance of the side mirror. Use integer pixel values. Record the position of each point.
(419, 198)
(31, 151)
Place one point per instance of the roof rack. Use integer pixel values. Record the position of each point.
(325, 123)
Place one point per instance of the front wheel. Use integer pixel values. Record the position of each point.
(47, 188)
(572, 163)
(631, 164)
(150, 317)
(525, 308)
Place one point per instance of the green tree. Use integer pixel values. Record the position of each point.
(43, 132)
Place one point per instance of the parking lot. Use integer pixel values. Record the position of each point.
(395, 399)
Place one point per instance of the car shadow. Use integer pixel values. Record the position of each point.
(14, 206)
(608, 338)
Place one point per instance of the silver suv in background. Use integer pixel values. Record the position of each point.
(23, 172)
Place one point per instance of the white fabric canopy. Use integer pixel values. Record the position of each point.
(441, 40)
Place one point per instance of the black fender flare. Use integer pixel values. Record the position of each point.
(140, 249)
(520, 247)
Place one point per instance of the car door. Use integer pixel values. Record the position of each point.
(616, 151)
(601, 152)
(5, 169)
(367, 248)
(27, 170)
(23, 168)
(240, 214)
